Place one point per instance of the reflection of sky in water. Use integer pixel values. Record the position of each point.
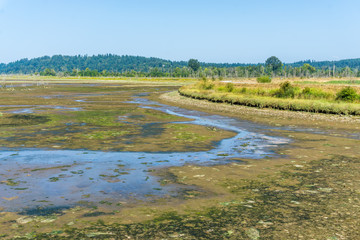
(116, 176)
(27, 109)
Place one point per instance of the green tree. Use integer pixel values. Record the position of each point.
(308, 67)
(156, 72)
(194, 64)
(274, 64)
(48, 72)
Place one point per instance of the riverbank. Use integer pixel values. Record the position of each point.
(266, 116)
(343, 101)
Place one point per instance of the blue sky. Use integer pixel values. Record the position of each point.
(211, 31)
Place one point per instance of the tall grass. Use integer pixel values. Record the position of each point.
(330, 82)
(286, 97)
(205, 85)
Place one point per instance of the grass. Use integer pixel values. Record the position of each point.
(99, 118)
(285, 97)
(106, 134)
(344, 82)
(329, 82)
(44, 80)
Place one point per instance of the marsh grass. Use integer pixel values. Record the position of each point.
(285, 97)
(340, 82)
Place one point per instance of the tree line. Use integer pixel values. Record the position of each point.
(135, 66)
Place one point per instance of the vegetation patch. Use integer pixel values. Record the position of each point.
(106, 134)
(11, 182)
(264, 79)
(347, 94)
(13, 120)
(312, 201)
(286, 97)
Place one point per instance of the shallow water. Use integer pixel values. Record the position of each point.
(34, 178)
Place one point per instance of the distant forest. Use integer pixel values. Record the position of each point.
(108, 62)
(136, 66)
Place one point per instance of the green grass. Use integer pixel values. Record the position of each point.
(344, 82)
(99, 118)
(315, 106)
(286, 90)
(285, 97)
(330, 82)
(106, 134)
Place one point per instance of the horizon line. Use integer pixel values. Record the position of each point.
(219, 63)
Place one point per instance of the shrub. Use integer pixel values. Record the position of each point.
(242, 90)
(286, 90)
(260, 91)
(206, 85)
(347, 94)
(264, 79)
(229, 87)
(316, 106)
(311, 93)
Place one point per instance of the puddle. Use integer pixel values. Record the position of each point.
(27, 109)
(50, 178)
(10, 85)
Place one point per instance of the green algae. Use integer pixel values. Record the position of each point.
(11, 182)
(267, 208)
(54, 179)
(103, 121)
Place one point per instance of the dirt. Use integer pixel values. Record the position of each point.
(309, 190)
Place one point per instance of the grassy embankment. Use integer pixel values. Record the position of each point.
(330, 99)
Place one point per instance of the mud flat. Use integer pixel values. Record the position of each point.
(115, 161)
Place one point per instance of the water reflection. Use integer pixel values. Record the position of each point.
(35, 177)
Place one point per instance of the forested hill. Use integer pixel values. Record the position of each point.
(108, 62)
(351, 63)
(121, 64)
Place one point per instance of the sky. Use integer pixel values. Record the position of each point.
(233, 31)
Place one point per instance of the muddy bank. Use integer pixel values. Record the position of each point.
(266, 116)
(311, 194)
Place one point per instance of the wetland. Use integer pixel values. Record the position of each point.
(135, 160)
